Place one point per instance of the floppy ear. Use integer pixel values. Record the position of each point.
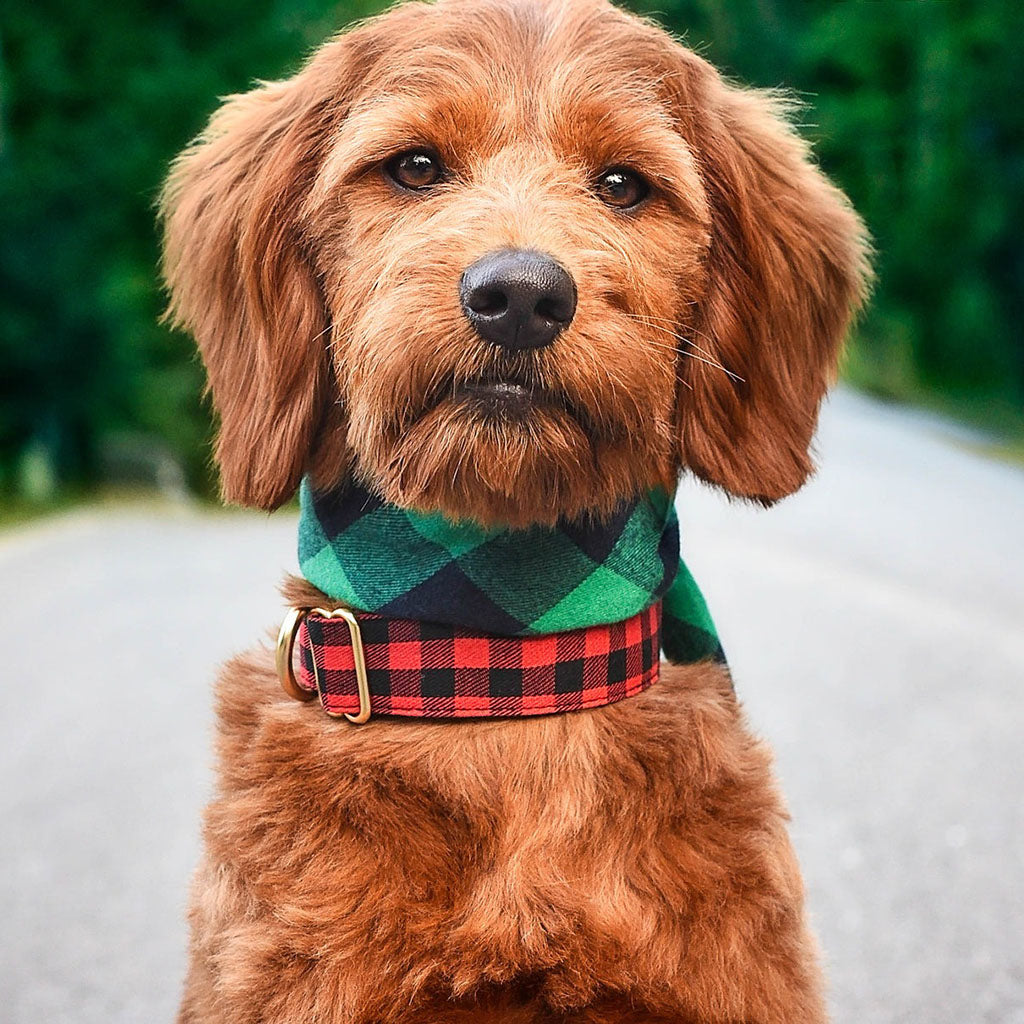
(786, 270)
(237, 267)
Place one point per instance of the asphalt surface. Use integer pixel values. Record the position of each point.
(875, 625)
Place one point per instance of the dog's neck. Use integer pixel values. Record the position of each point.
(377, 557)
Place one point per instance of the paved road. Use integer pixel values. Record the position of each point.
(875, 624)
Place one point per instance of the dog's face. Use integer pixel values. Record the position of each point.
(507, 232)
(510, 261)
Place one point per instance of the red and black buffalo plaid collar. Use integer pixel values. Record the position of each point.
(361, 664)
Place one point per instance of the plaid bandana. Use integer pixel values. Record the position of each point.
(400, 564)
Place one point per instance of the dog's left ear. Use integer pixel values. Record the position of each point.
(787, 269)
(238, 270)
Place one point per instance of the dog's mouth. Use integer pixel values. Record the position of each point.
(507, 398)
(506, 393)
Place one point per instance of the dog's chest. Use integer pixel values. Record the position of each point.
(494, 851)
(561, 855)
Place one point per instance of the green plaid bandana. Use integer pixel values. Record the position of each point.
(377, 557)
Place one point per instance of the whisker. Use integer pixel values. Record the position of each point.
(663, 319)
(700, 359)
(645, 319)
(706, 358)
(326, 330)
(718, 366)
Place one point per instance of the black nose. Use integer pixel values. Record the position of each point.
(517, 298)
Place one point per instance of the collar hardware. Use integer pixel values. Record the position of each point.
(283, 655)
(293, 621)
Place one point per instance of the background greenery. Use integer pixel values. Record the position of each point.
(914, 107)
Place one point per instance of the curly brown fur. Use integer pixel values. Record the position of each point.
(624, 864)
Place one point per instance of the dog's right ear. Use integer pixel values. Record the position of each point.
(237, 267)
(787, 269)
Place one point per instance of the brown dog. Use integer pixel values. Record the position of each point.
(628, 863)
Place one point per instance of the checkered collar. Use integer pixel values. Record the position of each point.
(454, 620)
(369, 664)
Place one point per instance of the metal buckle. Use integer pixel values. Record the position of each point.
(283, 656)
(285, 672)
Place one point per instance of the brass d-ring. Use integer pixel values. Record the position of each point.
(283, 655)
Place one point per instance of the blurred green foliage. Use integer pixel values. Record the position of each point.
(914, 108)
(913, 105)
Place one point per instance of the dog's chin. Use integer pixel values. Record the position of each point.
(501, 454)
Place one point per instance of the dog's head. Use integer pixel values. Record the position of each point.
(510, 260)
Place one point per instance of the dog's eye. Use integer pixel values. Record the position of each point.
(621, 188)
(416, 169)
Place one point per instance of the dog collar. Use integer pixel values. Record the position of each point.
(363, 664)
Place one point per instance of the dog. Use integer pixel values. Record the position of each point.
(693, 274)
